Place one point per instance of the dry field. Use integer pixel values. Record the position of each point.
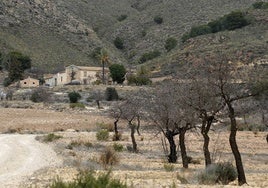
(143, 169)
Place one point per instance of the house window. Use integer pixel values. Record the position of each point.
(85, 73)
(33, 83)
(25, 83)
(61, 79)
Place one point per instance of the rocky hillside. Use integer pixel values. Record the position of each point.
(63, 32)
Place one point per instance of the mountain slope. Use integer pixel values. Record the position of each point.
(63, 32)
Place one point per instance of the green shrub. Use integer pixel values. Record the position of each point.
(260, 5)
(102, 135)
(77, 105)
(170, 43)
(118, 147)
(149, 56)
(77, 143)
(88, 179)
(7, 82)
(235, 20)
(122, 17)
(111, 94)
(119, 43)
(232, 21)
(74, 97)
(222, 173)
(96, 53)
(158, 19)
(169, 167)
(144, 33)
(139, 80)
(118, 73)
(108, 157)
(51, 137)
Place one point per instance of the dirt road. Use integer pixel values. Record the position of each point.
(20, 156)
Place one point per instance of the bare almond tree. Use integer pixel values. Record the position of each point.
(116, 112)
(202, 98)
(233, 83)
(168, 113)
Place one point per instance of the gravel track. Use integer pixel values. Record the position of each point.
(21, 156)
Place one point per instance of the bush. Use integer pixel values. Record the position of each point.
(108, 158)
(40, 95)
(122, 17)
(96, 53)
(118, 73)
(222, 173)
(74, 97)
(88, 179)
(169, 167)
(119, 43)
(77, 105)
(107, 126)
(118, 147)
(7, 82)
(170, 43)
(260, 5)
(234, 20)
(139, 80)
(102, 135)
(51, 137)
(111, 94)
(78, 143)
(158, 19)
(149, 56)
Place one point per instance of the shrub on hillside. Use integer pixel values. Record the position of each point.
(139, 80)
(74, 97)
(158, 19)
(260, 5)
(122, 17)
(149, 56)
(222, 173)
(170, 43)
(119, 43)
(232, 21)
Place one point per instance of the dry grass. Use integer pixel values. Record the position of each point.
(143, 169)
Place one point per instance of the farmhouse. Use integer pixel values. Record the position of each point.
(77, 74)
(29, 82)
(85, 75)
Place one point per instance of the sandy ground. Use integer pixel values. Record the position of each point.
(21, 156)
(143, 169)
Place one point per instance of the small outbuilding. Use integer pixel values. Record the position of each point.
(29, 82)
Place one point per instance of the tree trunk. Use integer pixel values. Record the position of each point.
(116, 138)
(138, 126)
(103, 79)
(234, 147)
(98, 103)
(132, 134)
(206, 124)
(172, 157)
(183, 148)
